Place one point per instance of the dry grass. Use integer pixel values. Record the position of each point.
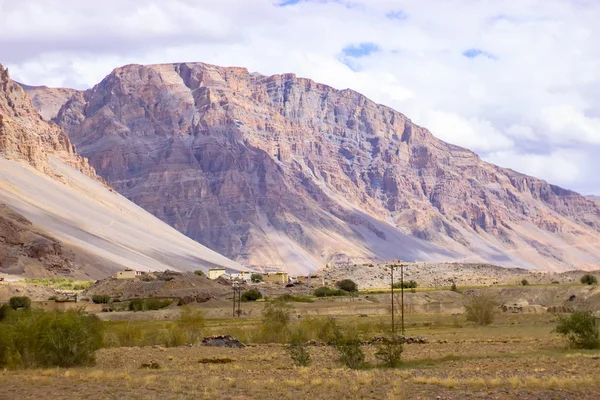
(516, 357)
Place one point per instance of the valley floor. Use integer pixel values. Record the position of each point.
(517, 356)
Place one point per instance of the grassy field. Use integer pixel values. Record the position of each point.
(517, 356)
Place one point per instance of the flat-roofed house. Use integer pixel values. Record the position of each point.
(216, 272)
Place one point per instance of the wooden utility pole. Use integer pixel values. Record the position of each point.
(402, 289)
(393, 314)
(237, 299)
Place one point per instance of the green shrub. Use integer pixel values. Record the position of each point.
(148, 304)
(275, 321)
(525, 282)
(407, 285)
(5, 309)
(33, 339)
(101, 299)
(191, 324)
(156, 304)
(299, 354)
(327, 292)
(389, 351)
(295, 298)
(347, 285)
(256, 277)
(453, 287)
(199, 272)
(581, 329)
(52, 298)
(251, 295)
(19, 302)
(481, 309)
(60, 283)
(351, 353)
(589, 279)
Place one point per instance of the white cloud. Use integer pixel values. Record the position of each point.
(527, 97)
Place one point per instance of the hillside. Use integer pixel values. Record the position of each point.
(282, 172)
(62, 218)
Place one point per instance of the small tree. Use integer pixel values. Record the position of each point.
(275, 321)
(101, 299)
(19, 302)
(256, 277)
(525, 282)
(589, 279)
(453, 287)
(347, 285)
(199, 272)
(481, 309)
(298, 350)
(251, 295)
(389, 351)
(581, 329)
(351, 354)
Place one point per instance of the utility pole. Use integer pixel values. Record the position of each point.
(392, 267)
(237, 299)
(393, 316)
(402, 289)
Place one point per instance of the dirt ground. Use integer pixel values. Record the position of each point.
(517, 356)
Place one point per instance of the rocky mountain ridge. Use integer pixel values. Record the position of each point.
(282, 172)
(25, 135)
(57, 217)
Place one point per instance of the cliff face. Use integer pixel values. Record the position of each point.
(25, 135)
(57, 217)
(281, 171)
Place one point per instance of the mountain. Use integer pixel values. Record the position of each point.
(595, 198)
(282, 172)
(57, 217)
(48, 100)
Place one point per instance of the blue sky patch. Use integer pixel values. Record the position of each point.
(473, 53)
(284, 3)
(401, 15)
(360, 50)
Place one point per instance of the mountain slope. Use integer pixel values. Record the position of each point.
(58, 200)
(281, 171)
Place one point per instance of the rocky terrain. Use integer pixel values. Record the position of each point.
(166, 284)
(25, 250)
(57, 217)
(48, 100)
(378, 276)
(282, 172)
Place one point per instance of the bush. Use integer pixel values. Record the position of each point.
(19, 302)
(199, 272)
(275, 321)
(191, 324)
(4, 311)
(101, 299)
(389, 351)
(52, 298)
(481, 309)
(406, 284)
(256, 277)
(325, 292)
(581, 328)
(351, 354)
(347, 285)
(525, 282)
(33, 339)
(298, 350)
(295, 298)
(251, 295)
(453, 287)
(148, 304)
(589, 279)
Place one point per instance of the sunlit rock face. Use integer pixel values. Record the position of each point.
(282, 172)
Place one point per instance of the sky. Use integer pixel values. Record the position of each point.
(516, 81)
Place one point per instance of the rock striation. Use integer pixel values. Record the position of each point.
(283, 172)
